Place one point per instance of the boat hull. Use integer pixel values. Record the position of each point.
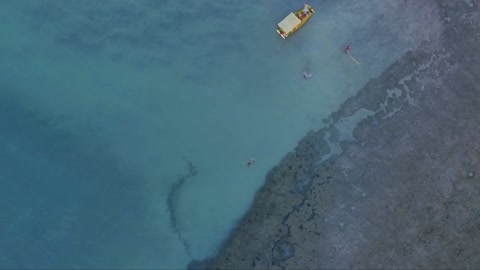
(302, 17)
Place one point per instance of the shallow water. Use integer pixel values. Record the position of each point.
(127, 125)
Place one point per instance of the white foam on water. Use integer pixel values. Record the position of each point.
(221, 87)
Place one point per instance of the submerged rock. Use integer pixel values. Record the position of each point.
(401, 155)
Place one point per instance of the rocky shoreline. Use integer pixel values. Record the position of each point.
(404, 192)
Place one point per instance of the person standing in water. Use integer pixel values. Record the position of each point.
(250, 162)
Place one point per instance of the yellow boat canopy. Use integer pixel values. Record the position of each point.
(289, 23)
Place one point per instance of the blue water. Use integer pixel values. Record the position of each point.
(126, 125)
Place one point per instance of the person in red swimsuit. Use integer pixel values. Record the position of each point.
(347, 49)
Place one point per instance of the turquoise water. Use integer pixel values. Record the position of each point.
(127, 125)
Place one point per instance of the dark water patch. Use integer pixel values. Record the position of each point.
(82, 42)
(154, 29)
(66, 200)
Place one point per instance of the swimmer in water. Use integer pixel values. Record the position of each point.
(307, 75)
(250, 162)
(347, 52)
(347, 49)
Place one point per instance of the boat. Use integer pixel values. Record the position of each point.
(294, 21)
